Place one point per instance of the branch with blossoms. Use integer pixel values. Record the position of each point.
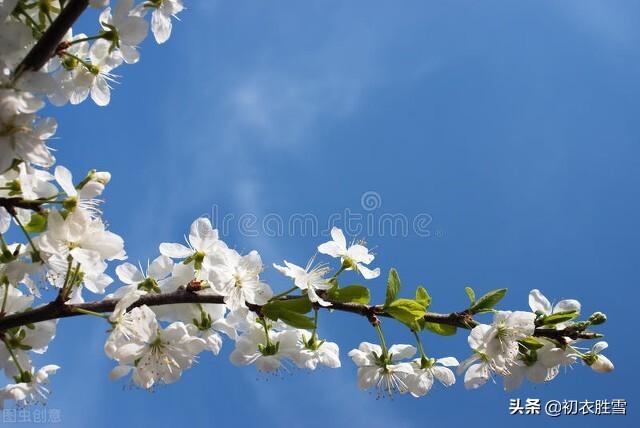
(191, 297)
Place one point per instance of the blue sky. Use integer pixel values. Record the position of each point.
(513, 125)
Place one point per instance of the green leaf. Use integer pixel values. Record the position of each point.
(422, 297)
(276, 311)
(300, 305)
(441, 329)
(296, 320)
(350, 294)
(406, 311)
(531, 343)
(393, 286)
(488, 301)
(37, 223)
(559, 317)
(471, 294)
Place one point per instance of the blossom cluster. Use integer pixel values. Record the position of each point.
(66, 243)
(194, 296)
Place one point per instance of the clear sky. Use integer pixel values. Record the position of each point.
(512, 125)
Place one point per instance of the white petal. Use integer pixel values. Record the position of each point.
(568, 305)
(119, 371)
(65, 180)
(160, 26)
(444, 375)
(537, 302)
(129, 274)
(401, 352)
(174, 250)
(368, 273)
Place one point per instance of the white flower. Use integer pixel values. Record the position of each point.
(156, 355)
(123, 30)
(420, 381)
(16, 300)
(88, 244)
(126, 299)
(312, 352)
(499, 341)
(66, 67)
(87, 190)
(308, 279)
(27, 181)
(158, 270)
(541, 365)
(23, 137)
(92, 79)
(353, 257)
(34, 338)
(477, 371)
(205, 321)
(540, 304)
(203, 241)
(237, 278)
(79, 231)
(163, 10)
(598, 362)
(15, 40)
(32, 390)
(136, 326)
(253, 347)
(386, 374)
(495, 346)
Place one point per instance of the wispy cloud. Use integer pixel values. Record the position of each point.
(611, 21)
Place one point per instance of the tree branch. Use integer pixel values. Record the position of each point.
(58, 309)
(46, 47)
(10, 204)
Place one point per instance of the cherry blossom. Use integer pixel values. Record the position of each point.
(385, 372)
(309, 279)
(425, 371)
(355, 257)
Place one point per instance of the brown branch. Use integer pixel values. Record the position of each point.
(58, 309)
(10, 204)
(46, 46)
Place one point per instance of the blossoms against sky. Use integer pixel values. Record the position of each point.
(195, 296)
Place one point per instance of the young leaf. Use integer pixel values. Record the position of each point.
(471, 294)
(531, 343)
(300, 305)
(422, 297)
(559, 317)
(406, 311)
(350, 294)
(393, 286)
(37, 223)
(296, 320)
(276, 312)
(488, 301)
(441, 329)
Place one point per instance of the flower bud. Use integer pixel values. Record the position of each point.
(102, 177)
(597, 318)
(602, 364)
